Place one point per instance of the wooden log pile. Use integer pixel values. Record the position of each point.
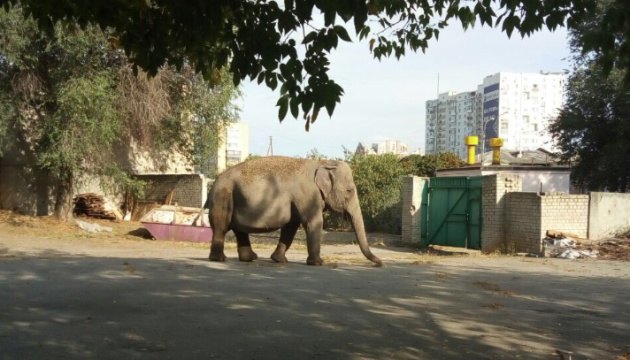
(91, 205)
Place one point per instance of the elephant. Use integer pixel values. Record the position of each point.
(274, 192)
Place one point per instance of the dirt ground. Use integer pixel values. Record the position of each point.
(66, 293)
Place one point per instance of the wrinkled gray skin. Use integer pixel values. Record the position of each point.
(271, 193)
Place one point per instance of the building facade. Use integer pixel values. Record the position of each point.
(233, 149)
(236, 144)
(449, 119)
(384, 147)
(517, 107)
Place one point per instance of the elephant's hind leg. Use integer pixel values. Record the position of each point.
(287, 233)
(216, 248)
(244, 247)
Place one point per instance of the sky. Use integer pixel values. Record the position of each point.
(386, 99)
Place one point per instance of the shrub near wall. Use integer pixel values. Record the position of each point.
(379, 183)
(379, 179)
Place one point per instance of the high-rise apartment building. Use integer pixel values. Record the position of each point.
(449, 119)
(517, 107)
(236, 143)
(233, 148)
(384, 147)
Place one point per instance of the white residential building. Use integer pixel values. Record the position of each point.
(233, 148)
(384, 147)
(449, 119)
(236, 143)
(517, 107)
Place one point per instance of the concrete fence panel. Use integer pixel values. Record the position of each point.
(608, 213)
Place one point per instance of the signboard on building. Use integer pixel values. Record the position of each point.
(490, 113)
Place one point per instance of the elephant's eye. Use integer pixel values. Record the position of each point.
(350, 190)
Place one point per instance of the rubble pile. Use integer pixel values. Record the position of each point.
(91, 205)
(611, 249)
(566, 246)
(569, 246)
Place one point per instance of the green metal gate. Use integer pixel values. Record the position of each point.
(453, 215)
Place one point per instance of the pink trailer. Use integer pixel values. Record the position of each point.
(177, 223)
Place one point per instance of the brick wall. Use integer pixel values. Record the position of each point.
(530, 215)
(512, 220)
(524, 228)
(190, 189)
(494, 207)
(567, 213)
(412, 190)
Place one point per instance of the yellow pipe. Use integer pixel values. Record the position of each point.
(495, 144)
(471, 142)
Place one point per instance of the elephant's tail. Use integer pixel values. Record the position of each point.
(198, 219)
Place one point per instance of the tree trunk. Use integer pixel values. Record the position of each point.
(63, 201)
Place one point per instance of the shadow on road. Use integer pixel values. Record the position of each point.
(117, 308)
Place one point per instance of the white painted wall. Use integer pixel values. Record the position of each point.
(552, 181)
(608, 212)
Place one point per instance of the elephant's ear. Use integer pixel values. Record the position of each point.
(325, 179)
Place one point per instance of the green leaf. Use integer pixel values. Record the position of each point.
(315, 114)
(283, 104)
(342, 33)
(330, 106)
(329, 16)
(360, 16)
(309, 37)
(307, 103)
(271, 80)
(295, 107)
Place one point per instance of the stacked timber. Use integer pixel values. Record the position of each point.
(91, 205)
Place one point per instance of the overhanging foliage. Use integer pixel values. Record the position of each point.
(286, 44)
(69, 104)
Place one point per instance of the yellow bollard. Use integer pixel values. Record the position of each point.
(471, 142)
(495, 144)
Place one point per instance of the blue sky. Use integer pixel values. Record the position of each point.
(386, 99)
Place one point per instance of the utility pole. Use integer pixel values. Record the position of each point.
(270, 148)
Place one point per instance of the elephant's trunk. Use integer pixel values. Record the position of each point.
(356, 218)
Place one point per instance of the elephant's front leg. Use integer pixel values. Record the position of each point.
(314, 230)
(244, 247)
(286, 238)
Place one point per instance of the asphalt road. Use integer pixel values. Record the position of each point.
(115, 301)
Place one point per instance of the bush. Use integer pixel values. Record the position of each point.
(334, 221)
(428, 165)
(379, 180)
(379, 184)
